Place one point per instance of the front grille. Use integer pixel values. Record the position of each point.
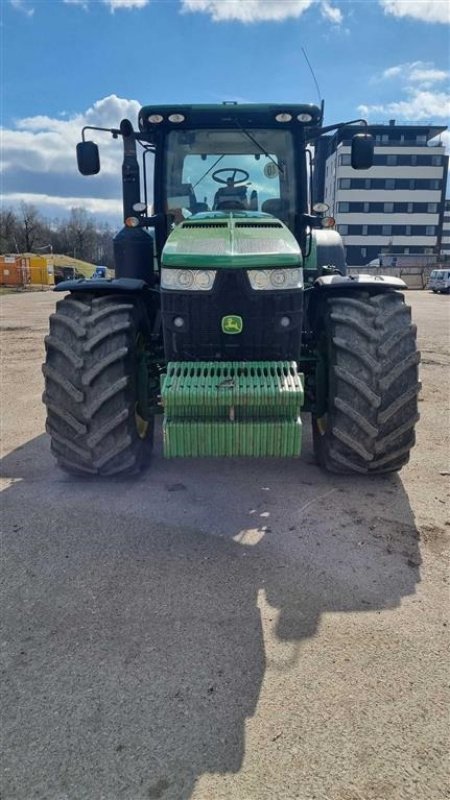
(204, 225)
(262, 338)
(258, 225)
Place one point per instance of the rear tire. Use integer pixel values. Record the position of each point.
(92, 386)
(369, 346)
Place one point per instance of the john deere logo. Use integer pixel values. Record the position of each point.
(232, 324)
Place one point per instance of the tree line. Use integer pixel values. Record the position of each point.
(26, 231)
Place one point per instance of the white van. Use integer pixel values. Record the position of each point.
(439, 281)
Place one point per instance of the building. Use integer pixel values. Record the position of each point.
(395, 207)
(445, 241)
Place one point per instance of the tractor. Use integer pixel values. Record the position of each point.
(230, 312)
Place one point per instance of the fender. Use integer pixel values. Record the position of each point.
(361, 281)
(327, 250)
(104, 286)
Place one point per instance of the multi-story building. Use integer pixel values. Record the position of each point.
(395, 207)
(445, 241)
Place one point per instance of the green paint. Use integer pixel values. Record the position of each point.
(232, 409)
(232, 324)
(234, 239)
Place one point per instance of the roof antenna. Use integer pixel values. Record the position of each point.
(319, 94)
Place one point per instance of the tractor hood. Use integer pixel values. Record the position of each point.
(241, 239)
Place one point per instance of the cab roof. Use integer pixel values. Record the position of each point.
(228, 115)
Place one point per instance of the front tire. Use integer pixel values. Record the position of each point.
(92, 389)
(371, 384)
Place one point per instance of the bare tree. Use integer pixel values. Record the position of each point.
(80, 235)
(25, 231)
(9, 225)
(31, 232)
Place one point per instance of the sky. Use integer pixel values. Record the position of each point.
(69, 63)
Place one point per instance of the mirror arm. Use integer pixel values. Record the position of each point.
(337, 127)
(115, 132)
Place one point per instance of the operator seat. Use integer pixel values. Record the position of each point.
(273, 206)
(230, 197)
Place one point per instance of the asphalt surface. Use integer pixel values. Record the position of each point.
(222, 630)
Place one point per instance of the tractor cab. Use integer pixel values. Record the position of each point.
(229, 158)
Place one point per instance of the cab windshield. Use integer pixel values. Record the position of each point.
(220, 170)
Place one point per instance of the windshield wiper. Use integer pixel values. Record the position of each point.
(208, 171)
(259, 146)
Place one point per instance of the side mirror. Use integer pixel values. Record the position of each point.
(88, 159)
(362, 151)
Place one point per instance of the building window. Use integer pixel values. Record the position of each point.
(413, 160)
(386, 230)
(391, 161)
(366, 207)
(408, 230)
(390, 183)
(412, 184)
(344, 183)
(345, 160)
(367, 183)
(430, 230)
(436, 161)
(385, 137)
(365, 229)
(421, 138)
(388, 208)
(364, 252)
(410, 208)
(432, 208)
(343, 229)
(434, 184)
(343, 208)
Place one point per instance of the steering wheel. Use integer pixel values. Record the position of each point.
(233, 172)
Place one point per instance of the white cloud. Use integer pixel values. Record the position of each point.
(114, 5)
(424, 10)
(421, 72)
(423, 99)
(48, 204)
(331, 13)
(247, 11)
(21, 5)
(259, 10)
(82, 3)
(418, 105)
(39, 158)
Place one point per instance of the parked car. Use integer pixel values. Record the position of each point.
(64, 274)
(100, 272)
(439, 281)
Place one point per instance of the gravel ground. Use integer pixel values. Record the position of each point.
(230, 630)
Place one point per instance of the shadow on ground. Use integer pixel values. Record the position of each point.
(134, 650)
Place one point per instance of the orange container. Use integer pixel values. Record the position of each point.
(14, 271)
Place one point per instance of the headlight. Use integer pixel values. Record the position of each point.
(193, 280)
(275, 279)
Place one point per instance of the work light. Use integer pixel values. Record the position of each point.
(275, 279)
(188, 279)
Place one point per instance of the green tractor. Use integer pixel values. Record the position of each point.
(231, 311)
